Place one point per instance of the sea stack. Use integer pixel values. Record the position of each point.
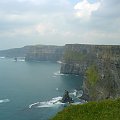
(66, 98)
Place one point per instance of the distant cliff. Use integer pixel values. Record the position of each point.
(100, 66)
(36, 52)
(45, 53)
(15, 52)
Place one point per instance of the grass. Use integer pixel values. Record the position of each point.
(92, 75)
(104, 110)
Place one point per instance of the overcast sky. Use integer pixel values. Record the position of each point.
(26, 22)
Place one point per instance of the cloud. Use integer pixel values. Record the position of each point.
(59, 22)
(109, 9)
(85, 9)
(45, 29)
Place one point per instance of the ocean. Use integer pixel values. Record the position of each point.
(29, 89)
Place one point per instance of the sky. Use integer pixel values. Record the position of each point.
(59, 22)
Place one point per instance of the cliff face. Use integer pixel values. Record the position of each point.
(100, 66)
(45, 53)
(35, 53)
(75, 58)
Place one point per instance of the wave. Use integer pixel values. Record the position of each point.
(21, 60)
(79, 93)
(56, 102)
(60, 62)
(58, 73)
(4, 101)
(52, 103)
(76, 93)
(30, 106)
(2, 57)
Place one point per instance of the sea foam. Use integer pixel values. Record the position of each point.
(2, 57)
(56, 101)
(4, 100)
(52, 103)
(58, 73)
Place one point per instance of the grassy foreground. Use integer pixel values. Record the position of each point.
(104, 110)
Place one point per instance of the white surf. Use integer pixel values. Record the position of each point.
(4, 100)
(52, 103)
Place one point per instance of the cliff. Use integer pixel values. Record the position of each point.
(100, 66)
(45, 53)
(75, 59)
(35, 52)
(15, 52)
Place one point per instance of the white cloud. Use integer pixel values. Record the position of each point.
(85, 9)
(45, 29)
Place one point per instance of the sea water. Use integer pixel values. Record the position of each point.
(32, 90)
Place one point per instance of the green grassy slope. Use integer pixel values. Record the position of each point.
(104, 110)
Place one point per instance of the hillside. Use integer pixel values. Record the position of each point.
(104, 110)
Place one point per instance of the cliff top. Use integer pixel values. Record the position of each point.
(104, 110)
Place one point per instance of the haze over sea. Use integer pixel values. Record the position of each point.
(22, 84)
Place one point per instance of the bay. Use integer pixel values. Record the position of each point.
(25, 83)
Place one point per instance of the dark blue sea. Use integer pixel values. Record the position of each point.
(29, 89)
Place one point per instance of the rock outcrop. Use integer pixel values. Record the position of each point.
(100, 66)
(66, 98)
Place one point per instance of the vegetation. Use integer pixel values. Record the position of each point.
(92, 75)
(104, 110)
